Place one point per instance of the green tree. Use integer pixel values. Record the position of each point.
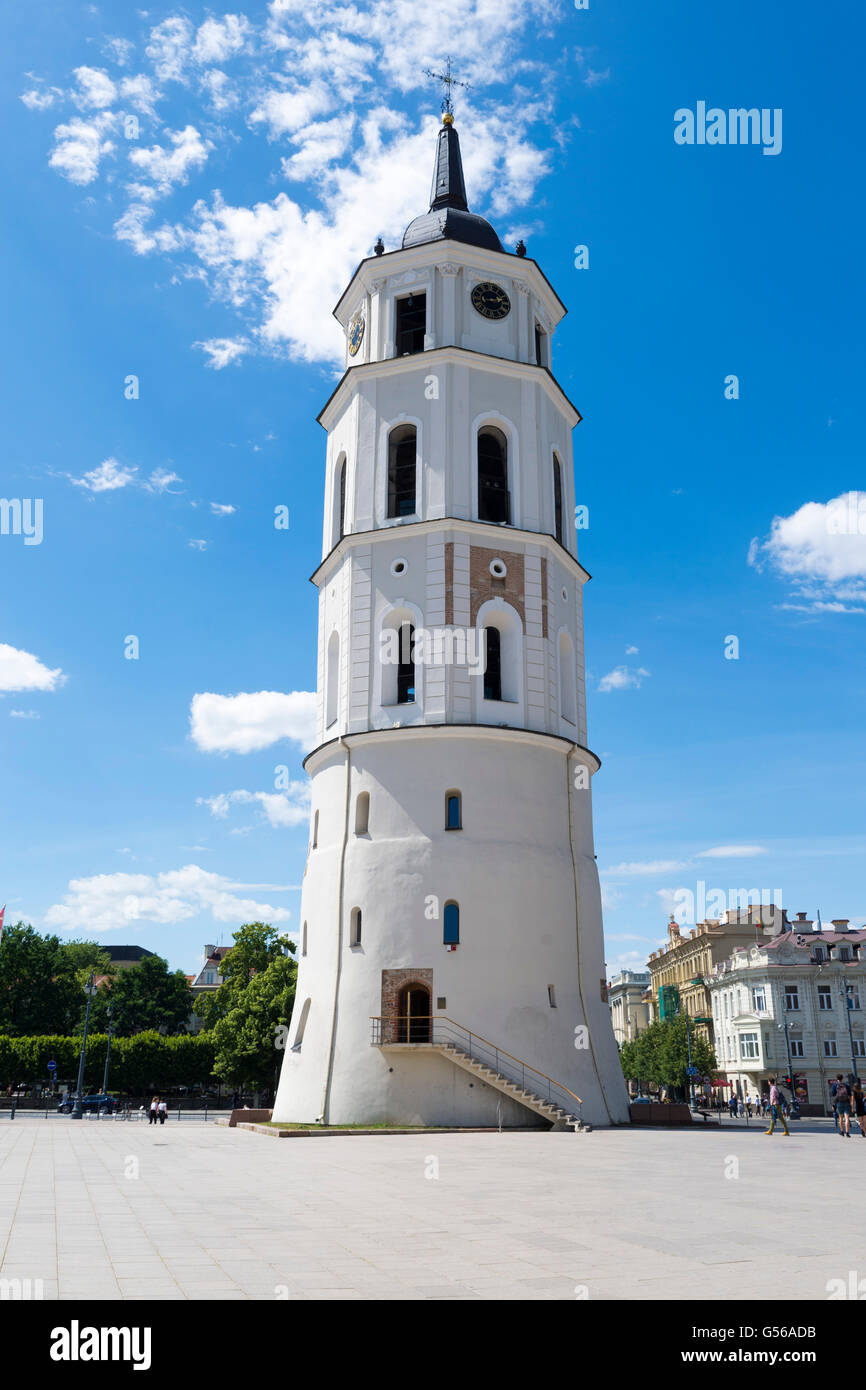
(250, 1038)
(143, 997)
(256, 946)
(661, 1055)
(42, 980)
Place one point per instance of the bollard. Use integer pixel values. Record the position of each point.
(178, 1112)
(12, 1111)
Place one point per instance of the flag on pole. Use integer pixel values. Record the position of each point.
(2, 910)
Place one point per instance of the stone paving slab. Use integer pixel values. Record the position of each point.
(210, 1213)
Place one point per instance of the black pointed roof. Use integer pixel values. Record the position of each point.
(449, 218)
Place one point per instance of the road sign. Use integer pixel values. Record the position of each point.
(692, 1071)
(52, 1066)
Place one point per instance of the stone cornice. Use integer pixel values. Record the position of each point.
(450, 253)
(503, 366)
(483, 530)
(475, 732)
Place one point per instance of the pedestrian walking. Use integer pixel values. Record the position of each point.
(154, 1107)
(162, 1111)
(732, 1106)
(843, 1108)
(776, 1110)
(858, 1099)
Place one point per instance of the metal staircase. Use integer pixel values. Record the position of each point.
(485, 1060)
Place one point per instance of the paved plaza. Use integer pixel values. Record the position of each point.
(111, 1210)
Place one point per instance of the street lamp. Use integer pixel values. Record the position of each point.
(849, 1004)
(795, 1107)
(78, 1108)
(107, 1052)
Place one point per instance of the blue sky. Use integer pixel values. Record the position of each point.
(202, 253)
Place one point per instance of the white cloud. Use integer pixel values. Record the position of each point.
(822, 545)
(219, 91)
(140, 93)
(170, 47)
(286, 111)
(197, 545)
(108, 477)
(631, 651)
(79, 147)
(280, 809)
(95, 88)
(623, 678)
(161, 480)
(594, 78)
(732, 852)
(118, 50)
(247, 722)
(222, 508)
(223, 351)
(639, 870)
(217, 40)
(278, 262)
(170, 166)
(110, 901)
(39, 99)
(24, 714)
(20, 670)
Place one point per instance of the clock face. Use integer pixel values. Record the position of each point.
(490, 300)
(356, 333)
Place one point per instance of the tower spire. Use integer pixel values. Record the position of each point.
(449, 189)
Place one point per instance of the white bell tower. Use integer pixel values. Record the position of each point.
(451, 966)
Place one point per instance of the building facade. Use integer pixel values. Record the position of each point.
(451, 890)
(629, 1010)
(680, 971)
(793, 1006)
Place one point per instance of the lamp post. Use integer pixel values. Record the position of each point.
(795, 1108)
(78, 1108)
(107, 1052)
(848, 1003)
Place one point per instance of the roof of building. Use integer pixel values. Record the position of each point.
(127, 952)
(448, 217)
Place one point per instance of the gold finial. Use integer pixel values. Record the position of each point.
(447, 119)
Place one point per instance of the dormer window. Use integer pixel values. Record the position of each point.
(411, 324)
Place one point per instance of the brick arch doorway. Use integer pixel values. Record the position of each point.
(413, 1013)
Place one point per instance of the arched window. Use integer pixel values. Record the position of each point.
(333, 680)
(402, 450)
(494, 503)
(451, 925)
(557, 498)
(304, 940)
(362, 813)
(302, 1026)
(342, 530)
(315, 830)
(355, 927)
(493, 669)
(406, 666)
(567, 703)
(453, 811)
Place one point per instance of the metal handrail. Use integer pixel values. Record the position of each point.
(499, 1052)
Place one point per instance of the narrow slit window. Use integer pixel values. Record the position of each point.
(493, 669)
(362, 814)
(406, 666)
(402, 459)
(453, 811)
(304, 940)
(451, 925)
(342, 530)
(557, 498)
(411, 324)
(494, 502)
(315, 830)
(540, 345)
(355, 927)
(551, 996)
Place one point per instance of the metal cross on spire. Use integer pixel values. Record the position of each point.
(449, 82)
